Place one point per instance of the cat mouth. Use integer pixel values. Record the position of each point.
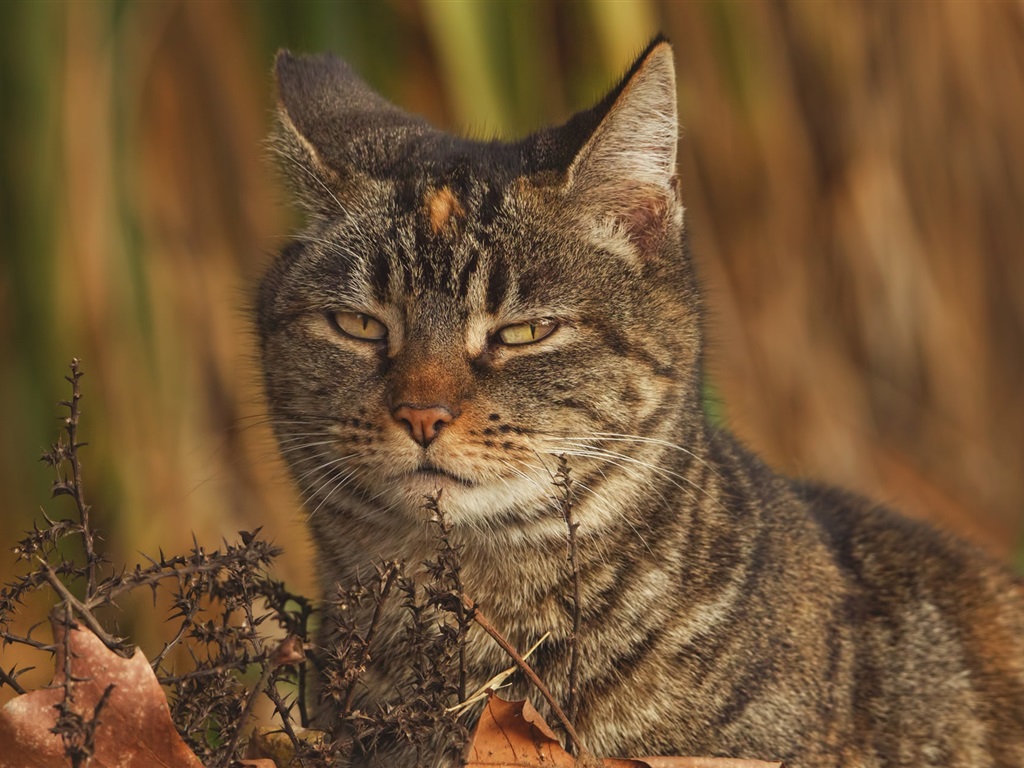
(426, 469)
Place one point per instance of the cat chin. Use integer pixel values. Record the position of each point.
(478, 505)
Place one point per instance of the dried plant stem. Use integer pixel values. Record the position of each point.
(284, 713)
(173, 568)
(250, 702)
(301, 685)
(222, 581)
(520, 662)
(10, 637)
(564, 483)
(76, 486)
(77, 734)
(67, 726)
(72, 602)
(186, 624)
(389, 575)
(449, 563)
(8, 679)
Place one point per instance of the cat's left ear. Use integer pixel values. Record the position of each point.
(624, 176)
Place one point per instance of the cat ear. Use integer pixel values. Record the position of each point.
(332, 129)
(624, 176)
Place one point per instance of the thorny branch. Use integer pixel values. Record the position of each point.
(289, 651)
(11, 679)
(564, 483)
(77, 733)
(448, 567)
(222, 601)
(527, 670)
(92, 560)
(231, 584)
(71, 602)
(387, 575)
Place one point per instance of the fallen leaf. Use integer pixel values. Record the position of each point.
(290, 651)
(512, 734)
(135, 728)
(705, 762)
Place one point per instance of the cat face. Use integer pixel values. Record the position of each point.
(456, 314)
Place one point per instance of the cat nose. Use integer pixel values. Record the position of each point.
(423, 423)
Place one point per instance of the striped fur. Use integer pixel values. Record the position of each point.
(728, 611)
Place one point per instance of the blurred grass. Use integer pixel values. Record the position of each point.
(853, 173)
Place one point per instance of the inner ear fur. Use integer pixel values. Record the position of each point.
(624, 176)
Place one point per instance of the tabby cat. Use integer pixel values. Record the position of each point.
(455, 314)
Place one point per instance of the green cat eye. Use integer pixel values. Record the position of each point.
(360, 326)
(527, 333)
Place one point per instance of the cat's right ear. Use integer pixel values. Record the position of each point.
(332, 128)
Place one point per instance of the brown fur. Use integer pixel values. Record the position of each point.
(727, 610)
(443, 208)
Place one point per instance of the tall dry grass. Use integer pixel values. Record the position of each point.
(856, 183)
(853, 172)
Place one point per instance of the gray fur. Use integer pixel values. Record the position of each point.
(728, 611)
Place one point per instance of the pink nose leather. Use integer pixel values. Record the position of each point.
(423, 423)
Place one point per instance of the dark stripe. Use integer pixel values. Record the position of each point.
(407, 195)
(618, 344)
(490, 205)
(744, 691)
(580, 405)
(407, 276)
(657, 417)
(704, 654)
(467, 271)
(381, 275)
(446, 276)
(613, 340)
(623, 668)
(427, 273)
(497, 283)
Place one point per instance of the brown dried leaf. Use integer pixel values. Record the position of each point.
(512, 734)
(290, 651)
(134, 731)
(704, 762)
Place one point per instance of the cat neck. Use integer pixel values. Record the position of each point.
(663, 509)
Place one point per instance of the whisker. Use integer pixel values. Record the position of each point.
(621, 437)
(322, 467)
(300, 446)
(615, 459)
(667, 473)
(314, 176)
(337, 486)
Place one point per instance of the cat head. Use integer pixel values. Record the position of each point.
(456, 313)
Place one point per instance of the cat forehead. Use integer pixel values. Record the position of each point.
(443, 209)
(459, 243)
(446, 207)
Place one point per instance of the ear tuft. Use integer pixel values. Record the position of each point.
(625, 172)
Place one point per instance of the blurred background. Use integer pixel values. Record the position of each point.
(854, 181)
